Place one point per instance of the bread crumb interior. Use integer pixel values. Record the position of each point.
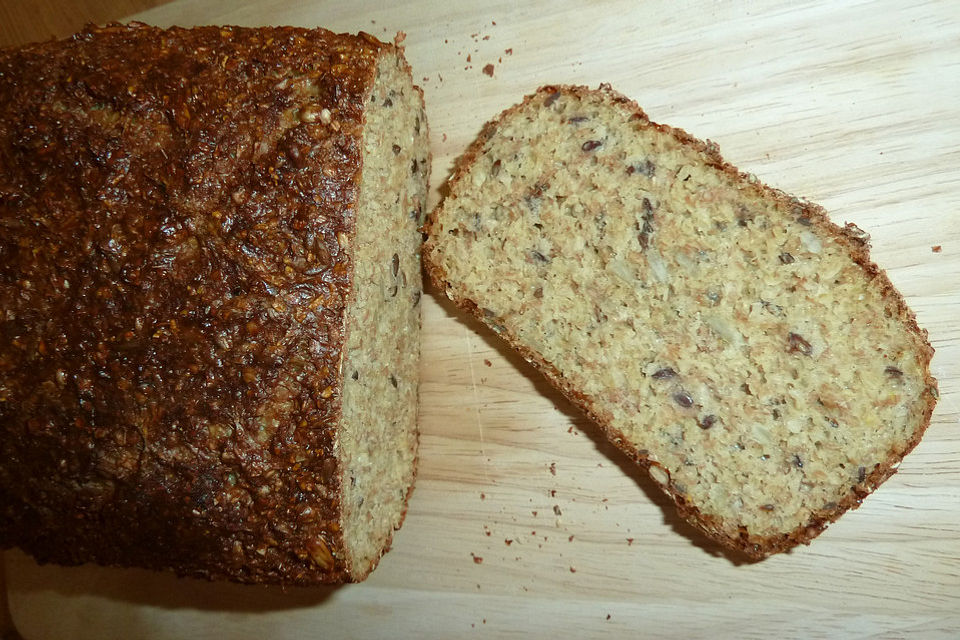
(378, 443)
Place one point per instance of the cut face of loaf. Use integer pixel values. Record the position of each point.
(210, 288)
(730, 338)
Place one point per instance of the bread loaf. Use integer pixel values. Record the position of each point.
(728, 337)
(209, 282)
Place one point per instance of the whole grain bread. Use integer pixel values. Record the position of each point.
(209, 283)
(730, 338)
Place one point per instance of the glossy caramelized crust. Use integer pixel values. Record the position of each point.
(731, 339)
(176, 208)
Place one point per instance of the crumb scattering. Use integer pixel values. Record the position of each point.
(488, 69)
(476, 559)
(936, 248)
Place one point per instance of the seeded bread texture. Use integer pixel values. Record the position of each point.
(209, 288)
(731, 339)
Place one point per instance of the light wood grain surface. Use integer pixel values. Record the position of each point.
(523, 523)
(23, 21)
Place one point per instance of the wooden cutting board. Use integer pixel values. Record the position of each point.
(523, 522)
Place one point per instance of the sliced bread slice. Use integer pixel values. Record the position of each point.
(729, 337)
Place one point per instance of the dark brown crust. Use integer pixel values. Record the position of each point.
(174, 294)
(855, 241)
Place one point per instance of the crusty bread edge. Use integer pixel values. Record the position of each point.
(852, 238)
